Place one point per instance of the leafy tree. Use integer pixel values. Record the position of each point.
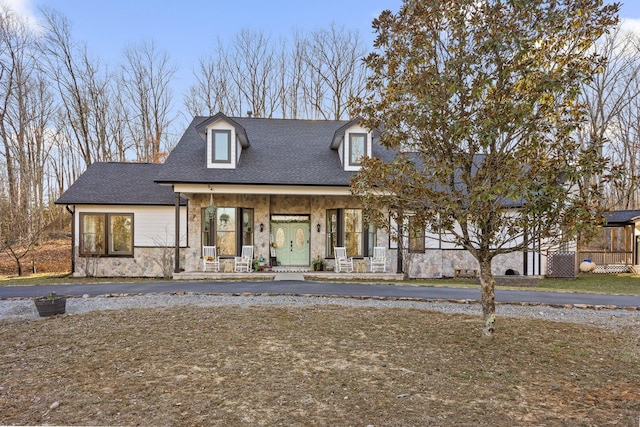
(480, 101)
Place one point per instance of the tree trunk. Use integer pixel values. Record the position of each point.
(487, 284)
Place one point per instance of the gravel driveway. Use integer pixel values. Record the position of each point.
(21, 309)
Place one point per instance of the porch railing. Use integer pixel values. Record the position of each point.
(608, 258)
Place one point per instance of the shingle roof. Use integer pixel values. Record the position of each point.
(282, 151)
(119, 184)
(623, 217)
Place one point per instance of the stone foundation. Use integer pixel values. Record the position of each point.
(438, 263)
(146, 262)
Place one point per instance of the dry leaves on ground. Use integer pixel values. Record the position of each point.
(52, 256)
(328, 365)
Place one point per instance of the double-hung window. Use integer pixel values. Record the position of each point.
(220, 146)
(106, 234)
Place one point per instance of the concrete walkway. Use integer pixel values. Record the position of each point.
(289, 276)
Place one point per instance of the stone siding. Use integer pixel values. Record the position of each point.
(146, 262)
(435, 263)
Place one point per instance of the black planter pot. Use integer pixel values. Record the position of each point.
(51, 305)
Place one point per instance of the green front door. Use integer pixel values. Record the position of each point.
(292, 242)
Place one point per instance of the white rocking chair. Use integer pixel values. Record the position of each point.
(210, 258)
(379, 261)
(342, 262)
(243, 263)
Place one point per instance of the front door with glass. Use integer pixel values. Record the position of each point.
(291, 242)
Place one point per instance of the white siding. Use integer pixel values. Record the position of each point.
(223, 125)
(432, 240)
(155, 226)
(344, 149)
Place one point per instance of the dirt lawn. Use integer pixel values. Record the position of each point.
(53, 256)
(326, 365)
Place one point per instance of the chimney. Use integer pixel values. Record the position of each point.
(249, 113)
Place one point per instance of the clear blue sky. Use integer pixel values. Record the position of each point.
(188, 29)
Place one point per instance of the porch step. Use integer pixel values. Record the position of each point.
(289, 276)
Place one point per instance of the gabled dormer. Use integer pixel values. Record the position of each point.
(352, 142)
(225, 139)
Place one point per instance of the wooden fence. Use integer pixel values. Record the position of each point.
(607, 258)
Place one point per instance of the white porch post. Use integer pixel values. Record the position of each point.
(177, 236)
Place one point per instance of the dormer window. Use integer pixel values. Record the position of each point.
(353, 142)
(220, 146)
(224, 139)
(357, 148)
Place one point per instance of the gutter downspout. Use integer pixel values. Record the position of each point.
(73, 238)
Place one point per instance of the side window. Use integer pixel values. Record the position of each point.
(226, 231)
(121, 234)
(416, 236)
(92, 234)
(208, 226)
(332, 230)
(247, 226)
(353, 232)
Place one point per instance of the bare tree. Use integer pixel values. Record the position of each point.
(14, 46)
(313, 76)
(24, 119)
(146, 78)
(612, 112)
(334, 58)
(624, 151)
(295, 68)
(252, 65)
(213, 90)
(60, 53)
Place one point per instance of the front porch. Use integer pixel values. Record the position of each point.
(285, 274)
(617, 248)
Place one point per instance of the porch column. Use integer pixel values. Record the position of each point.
(400, 261)
(177, 236)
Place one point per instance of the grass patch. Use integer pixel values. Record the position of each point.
(622, 284)
(619, 284)
(64, 279)
(323, 365)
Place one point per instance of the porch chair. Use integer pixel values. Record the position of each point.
(379, 261)
(210, 258)
(343, 263)
(244, 262)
